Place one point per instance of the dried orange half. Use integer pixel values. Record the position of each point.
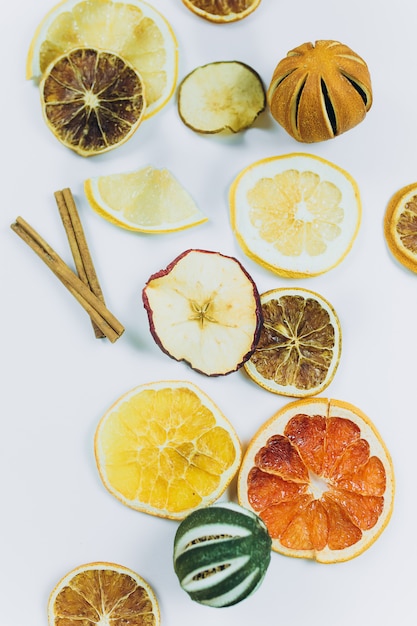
(222, 11)
(92, 101)
(103, 593)
(165, 448)
(295, 214)
(321, 478)
(300, 344)
(400, 226)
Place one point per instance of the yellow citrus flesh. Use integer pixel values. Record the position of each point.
(148, 200)
(320, 476)
(92, 101)
(166, 449)
(103, 593)
(134, 30)
(222, 11)
(295, 214)
(400, 226)
(300, 344)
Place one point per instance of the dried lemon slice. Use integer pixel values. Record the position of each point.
(295, 214)
(133, 29)
(92, 101)
(300, 344)
(321, 478)
(221, 96)
(222, 11)
(147, 200)
(400, 226)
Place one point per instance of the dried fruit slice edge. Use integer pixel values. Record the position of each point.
(222, 12)
(400, 226)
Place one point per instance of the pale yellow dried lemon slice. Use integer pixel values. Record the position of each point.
(400, 226)
(295, 214)
(133, 29)
(92, 101)
(165, 448)
(222, 11)
(148, 200)
(103, 593)
(300, 344)
(224, 96)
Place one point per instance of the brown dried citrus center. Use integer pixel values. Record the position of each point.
(407, 225)
(223, 7)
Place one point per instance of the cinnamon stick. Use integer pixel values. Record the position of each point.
(79, 247)
(92, 304)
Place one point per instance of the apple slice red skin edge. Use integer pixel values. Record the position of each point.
(259, 316)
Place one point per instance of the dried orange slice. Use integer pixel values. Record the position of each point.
(321, 478)
(165, 448)
(222, 11)
(103, 593)
(295, 214)
(147, 200)
(92, 101)
(300, 344)
(400, 226)
(133, 29)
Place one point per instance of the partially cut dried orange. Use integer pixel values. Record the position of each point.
(92, 101)
(103, 593)
(222, 11)
(300, 344)
(320, 476)
(400, 226)
(165, 448)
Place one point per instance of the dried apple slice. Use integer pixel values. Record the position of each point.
(204, 308)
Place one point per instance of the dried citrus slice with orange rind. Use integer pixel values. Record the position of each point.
(321, 478)
(165, 448)
(400, 226)
(221, 97)
(103, 593)
(299, 349)
(133, 29)
(92, 101)
(295, 214)
(147, 200)
(222, 11)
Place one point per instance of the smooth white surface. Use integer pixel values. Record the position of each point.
(57, 379)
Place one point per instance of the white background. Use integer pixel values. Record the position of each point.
(58, 380)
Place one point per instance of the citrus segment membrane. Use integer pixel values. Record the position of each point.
(296, 214)
(300, 344)
(320, 476)
(166, 449)
(222, 11)
(134, 30)
(225, 96)
(148, 200)
(400, 226)
(103, 593)
(92, 101)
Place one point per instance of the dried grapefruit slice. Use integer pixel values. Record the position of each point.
(300, 344)
(103, 593)
(165, 448)
(295, 214)
(133, 29)
(400, 226)
(320, 476)
(222, 11)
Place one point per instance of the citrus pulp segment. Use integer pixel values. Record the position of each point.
(103, 593)
(92, 101)
(222, 11)
(148, 200)
(400, 226)
(133, 29)
(166, 449)
(321, 478)
(300, 344)
(224, 96)
(296, 214)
